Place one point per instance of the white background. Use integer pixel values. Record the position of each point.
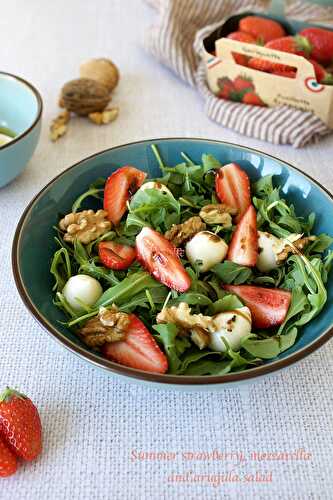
(91, 421)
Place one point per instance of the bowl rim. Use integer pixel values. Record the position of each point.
(110, 366)
(39, 108)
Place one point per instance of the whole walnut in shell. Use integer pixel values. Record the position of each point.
(84, 96)
(102, 70)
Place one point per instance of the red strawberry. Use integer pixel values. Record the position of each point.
(243, 248)
(322, 44)
(286, 74)
(20, 424)
(298, 45)
(159, 257)
(116, 256)
(243, 83)
(268, 306)
(226, 87)
(267, 66)
(119, 188)
(241, 37)
(138, 350)
(263, 30)
(322, 75)
(8, 462)
(232, 186)
(241, 59)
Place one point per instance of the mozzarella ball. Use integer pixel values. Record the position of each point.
(206, 247)
(155, 185)
(269, 246)
(82, 287)
(231, 326)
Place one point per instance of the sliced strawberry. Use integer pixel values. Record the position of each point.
(159, 257)
(138, 350)
(116, 256)
(119, 188)
(233, 187)
(243, 248)
(268, 306)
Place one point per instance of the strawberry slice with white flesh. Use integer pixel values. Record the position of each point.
(138, 350)
(119, 188)
(116, 256)
(268, 306)
(232, 186)
(243, 248)
(159, 257)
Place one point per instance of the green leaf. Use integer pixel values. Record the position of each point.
(94, 190)
(230, 272)
(61, 268)
(227, 303)
(262, 348)
(209, 162)
(208, 367)
(320, 244)
(174, 347)
(297, 306)
(192, 298)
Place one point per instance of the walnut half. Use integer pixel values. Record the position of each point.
(218, 214)
(180, 233)
(85, 226)
(109, 325)
(299, 244)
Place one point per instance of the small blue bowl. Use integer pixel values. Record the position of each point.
(20, 110)
(34, 246)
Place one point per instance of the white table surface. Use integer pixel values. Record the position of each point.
(92, 422)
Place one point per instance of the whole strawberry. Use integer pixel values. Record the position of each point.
(242, 83)
(8, 462)
(20, 425)
(263, 30)
(322, 76)
(241, 37)
(321, 41)
(298, 45)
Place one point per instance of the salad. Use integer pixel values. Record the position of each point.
(198, 272)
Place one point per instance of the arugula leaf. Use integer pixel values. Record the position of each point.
(94, 190)
(173, 346)
(230, 272)
(227, 303)
(61, 268)
(192, 298)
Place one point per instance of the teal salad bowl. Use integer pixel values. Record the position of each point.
(34, 246)
(20, 111)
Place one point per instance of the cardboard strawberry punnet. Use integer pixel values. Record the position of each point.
(295, 85)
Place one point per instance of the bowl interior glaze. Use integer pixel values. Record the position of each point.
(34, 244)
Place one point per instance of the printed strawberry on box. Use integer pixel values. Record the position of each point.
(266, 60)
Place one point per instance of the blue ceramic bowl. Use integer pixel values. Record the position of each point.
(21, 111)
(34, 245)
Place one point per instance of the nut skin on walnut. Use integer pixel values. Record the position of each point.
(218, 214)
(85, 226)
(109, 325)
(181, 233)
(84, 95)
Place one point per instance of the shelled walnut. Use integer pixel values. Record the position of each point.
(218, 214)
(180, 233)
(85, 226)
(109, 325)
(58, 126)
(104, 117)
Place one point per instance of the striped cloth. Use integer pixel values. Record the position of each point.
(176, 41)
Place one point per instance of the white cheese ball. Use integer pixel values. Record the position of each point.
(206, 247)
(233, 326)
(85, 288)
(155, 185)
(269, 246)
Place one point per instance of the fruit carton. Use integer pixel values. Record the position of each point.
(229, 80)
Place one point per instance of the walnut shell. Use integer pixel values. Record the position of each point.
(102, 70)
(84, 96)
